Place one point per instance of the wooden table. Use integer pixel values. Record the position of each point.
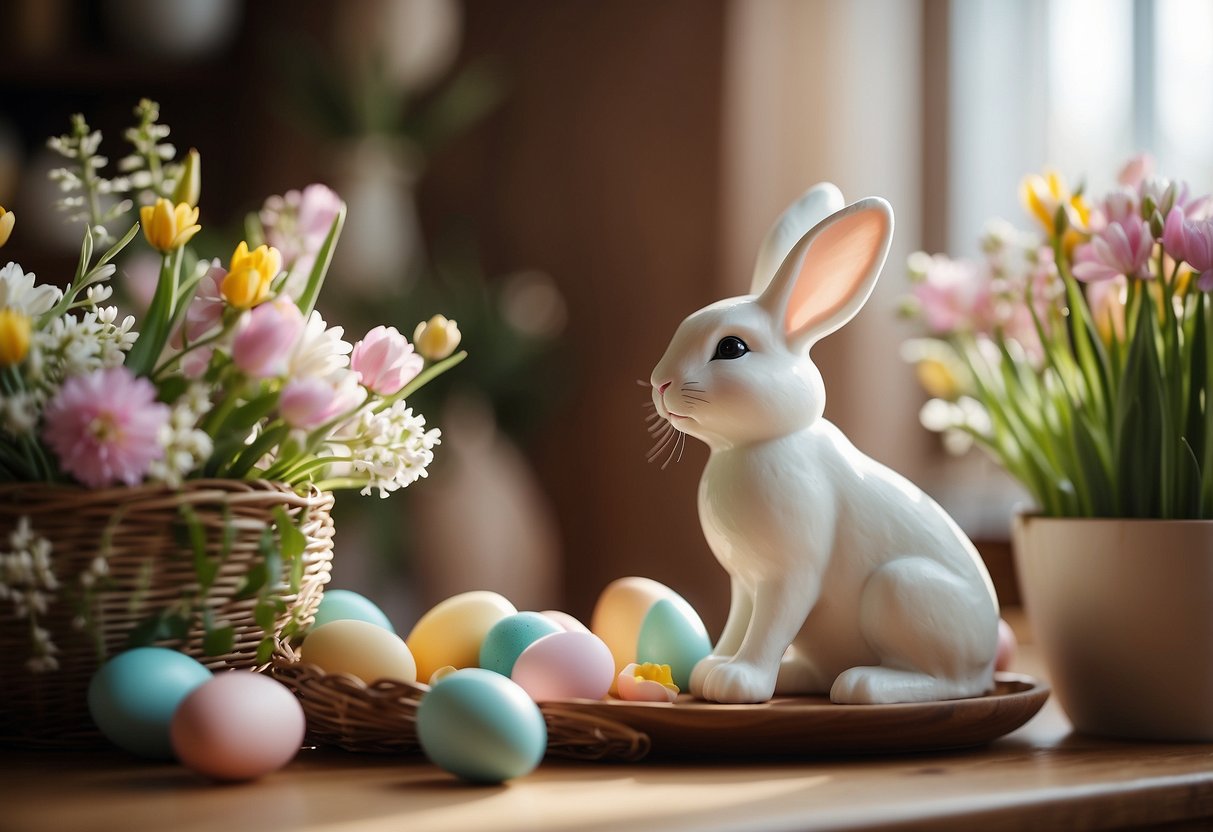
(1042, 776)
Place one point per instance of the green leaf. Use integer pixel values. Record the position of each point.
(265, 649)
(320, 268)
(219, 640)
(258, 576)
(296, 575)
(253, 453)
(265, 615)
(147, 632)
(171, 389)
(291, 541)
(177, 625)
(155, 331)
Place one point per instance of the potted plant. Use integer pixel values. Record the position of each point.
(1081, 358)
(168, 480)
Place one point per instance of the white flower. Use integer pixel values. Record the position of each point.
(28, 583)
(185, 446)
(17, 291)
(391, 448)
(320, 351)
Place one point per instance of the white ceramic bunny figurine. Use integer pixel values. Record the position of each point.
(845, 576)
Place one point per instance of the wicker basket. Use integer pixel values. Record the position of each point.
(380, 718)
(147, 568)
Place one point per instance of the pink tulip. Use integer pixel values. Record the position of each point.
(1191, 242)
(265, 338)
(1173, 237)
(308, 402)
(384, 361)
(1123, 248)
(1137, 170)
(955, 295)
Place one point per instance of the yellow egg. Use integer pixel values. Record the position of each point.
(620, 611)
(360, 649)
(451, 633)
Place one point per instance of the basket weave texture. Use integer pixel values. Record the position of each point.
(138, 533)
(381, 718)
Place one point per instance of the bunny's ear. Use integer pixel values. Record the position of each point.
(814, 205)
(830, 272)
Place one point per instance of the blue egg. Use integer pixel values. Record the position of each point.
(672, 633)
(480, 726)
(132, 697)
(504, 643)
(341, 605)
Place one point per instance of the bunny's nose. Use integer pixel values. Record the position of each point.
(662, 388)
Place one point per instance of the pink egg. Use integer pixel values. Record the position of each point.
(566, 621)
(1008, 645)
(568, 665)
(238, 726)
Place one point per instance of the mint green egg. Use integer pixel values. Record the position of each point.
(342, 605)
(132, 697)
(504, 643)
(480, 726)
(672, 633)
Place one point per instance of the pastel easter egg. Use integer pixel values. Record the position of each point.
(566, 621)
(1008, 646)
(360, 649)
(620, 611)
(342, 605)
(510, 636)
(132, 697)
(565, 666)
(672, 633)
(480, 726)
(238, 726)
(452, 632)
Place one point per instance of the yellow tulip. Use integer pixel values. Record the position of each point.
(7, 218)
(166, 227)
(436, 338)
(1043, 195)
(14, 336)
(937, 379)
(250, 274)
(189, 188)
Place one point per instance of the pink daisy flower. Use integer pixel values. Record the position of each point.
(105, 427)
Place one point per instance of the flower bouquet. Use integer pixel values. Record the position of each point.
(166, 479)
(1081, 357)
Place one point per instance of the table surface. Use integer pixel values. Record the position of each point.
(1041, 775)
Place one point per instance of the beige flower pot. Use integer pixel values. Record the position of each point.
(1123, 613)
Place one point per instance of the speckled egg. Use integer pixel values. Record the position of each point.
(511, 635)
(480, 726)
(451, 633)
(132, 697)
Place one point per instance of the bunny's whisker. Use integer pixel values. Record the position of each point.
(694, 399)
(662, 443)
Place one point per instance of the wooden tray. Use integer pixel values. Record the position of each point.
(812, 725)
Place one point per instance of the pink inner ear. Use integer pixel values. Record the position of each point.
(836, 265)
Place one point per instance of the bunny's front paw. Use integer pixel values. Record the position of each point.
(701, 670)
(738, 683)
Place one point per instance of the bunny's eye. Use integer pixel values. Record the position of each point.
(730, 347)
